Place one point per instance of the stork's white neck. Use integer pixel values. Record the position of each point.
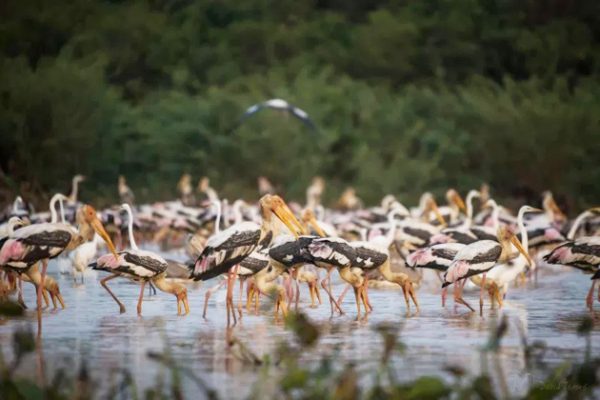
(130, 227)
(470, 196)
(578, 221)
(522, 230)
(217, 204)
(74, 190)
(53, 215)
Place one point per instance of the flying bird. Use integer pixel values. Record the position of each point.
(281, 105)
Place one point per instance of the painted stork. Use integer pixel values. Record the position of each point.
(40, 242)
(205, 190)
(232, 245)
(582, 253)
(184, 186)
(590, 213)
(438, 257)
(265, 186)
(455, 205)
(501, 275)
(77, 179)
(125, 193)
(480, 257)
(374, 255)
(314, 192)
(140, 265)
(349, 201)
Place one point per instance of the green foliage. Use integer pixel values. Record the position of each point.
(407, 96)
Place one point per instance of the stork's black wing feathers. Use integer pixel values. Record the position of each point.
(483, 235)
(368, 258)
(239, 239)
(492, 255)
(292, 253)
(47, 238)
(584, 248)
(462, 237)
(149, 263)
(446, 254)
(216, 270)
(419, 233)
(255, 261)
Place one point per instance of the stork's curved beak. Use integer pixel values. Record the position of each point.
(515, 241)
(315, 225)
(285, 215)
(99, 228)
(459, 202)
(437, 213)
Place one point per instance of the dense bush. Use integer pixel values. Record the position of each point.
(408, 96)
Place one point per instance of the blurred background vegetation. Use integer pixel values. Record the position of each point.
(407, 95)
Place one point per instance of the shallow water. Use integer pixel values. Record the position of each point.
(90, 329)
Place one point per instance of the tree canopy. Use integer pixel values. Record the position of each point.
(407, 96)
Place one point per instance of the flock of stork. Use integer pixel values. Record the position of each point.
(272, 247)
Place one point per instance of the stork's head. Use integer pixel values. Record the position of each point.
(273, 204)
(319, 182)
(453, 197)
(431, 206)
(506, 237)
(484, 192)
(552, 208)
(308, 218)
(89, 223)
(203, 184)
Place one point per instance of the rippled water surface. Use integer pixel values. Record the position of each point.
(91, 329)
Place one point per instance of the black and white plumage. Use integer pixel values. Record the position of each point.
(135, 264)
(282, 105)
(369, 256)
(582, 253)
(226, 249)
(229, 247)
(473, 259)
(139, 265)
(328, 251)
(438, 257)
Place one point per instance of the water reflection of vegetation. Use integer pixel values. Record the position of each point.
(283, 374)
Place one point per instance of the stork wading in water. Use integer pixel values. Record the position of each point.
(40, 242)
(480, 257)
(582, 253)
(501, 275)
(438, 257)
(374, 255)
(143, 266)
(232, 245)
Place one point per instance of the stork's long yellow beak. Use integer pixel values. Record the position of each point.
(459, 202)
(437, 213)
(515, 241)
(286, 216)
(315, 225)
(99, 228)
